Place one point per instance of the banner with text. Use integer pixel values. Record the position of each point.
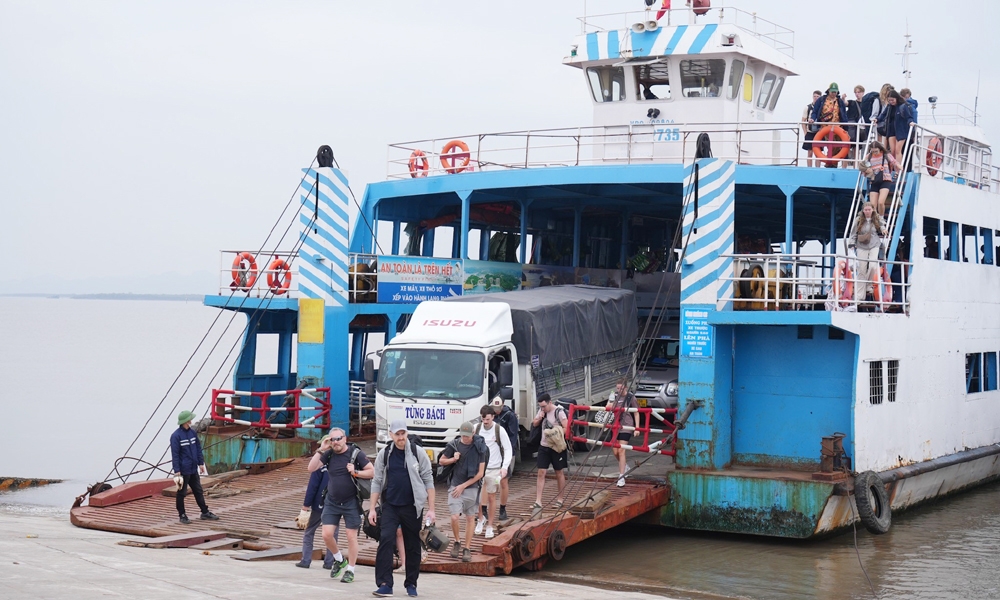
(412, 279)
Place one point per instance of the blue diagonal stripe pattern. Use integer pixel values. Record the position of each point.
(711, 237)
(324, 235)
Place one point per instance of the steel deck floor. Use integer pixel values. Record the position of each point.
(260, 502)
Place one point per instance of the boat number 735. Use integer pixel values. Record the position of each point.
(664, 134)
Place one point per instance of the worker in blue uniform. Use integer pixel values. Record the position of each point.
(185, 453)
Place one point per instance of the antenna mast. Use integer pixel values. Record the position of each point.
(906, 54)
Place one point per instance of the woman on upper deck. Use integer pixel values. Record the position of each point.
(866, 239)
(901, 123)
(881, 174)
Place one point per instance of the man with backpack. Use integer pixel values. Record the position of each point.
(467, 456)
(871, 106)
(500, 455)
(344, 463)
(507, 419)
(404, 483)
(552, 450)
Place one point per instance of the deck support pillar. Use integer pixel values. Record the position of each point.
(524, 231)
(577, 219)
(395, 238)
(464, 195)
(789, 192)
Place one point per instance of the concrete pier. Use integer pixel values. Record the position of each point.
(46, 557)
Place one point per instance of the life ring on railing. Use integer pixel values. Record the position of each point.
(935, 156)
(843, 286)
(279, 277)
(419, 165)
(829, 132)
(244, 271)
(882, 289)
(452, 161)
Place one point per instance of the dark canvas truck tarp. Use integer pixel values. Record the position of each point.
(567, 322)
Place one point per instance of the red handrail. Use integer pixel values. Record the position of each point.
(224, 411)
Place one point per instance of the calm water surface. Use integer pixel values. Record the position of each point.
(80, 377)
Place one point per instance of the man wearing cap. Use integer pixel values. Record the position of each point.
(185, 453)
(404, 483)
(829, 108)
(468, 454)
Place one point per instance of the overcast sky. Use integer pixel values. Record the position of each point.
(139, 138)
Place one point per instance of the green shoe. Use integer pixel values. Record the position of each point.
(348, 576)
(338, 568)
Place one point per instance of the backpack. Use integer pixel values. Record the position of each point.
(508, 420)
(446, 471)
(362, 486)
(499, 445)
(867, 103)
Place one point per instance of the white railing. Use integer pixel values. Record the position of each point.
(954, 159)
(359, 400)
(778, 37)
(244, 273)
(748, 143)
(808, 282)
(950, 113)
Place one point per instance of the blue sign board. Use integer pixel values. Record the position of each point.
(696, 333)
(412, 279)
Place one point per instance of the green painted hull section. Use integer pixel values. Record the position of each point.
(748, 505)
(222, 454)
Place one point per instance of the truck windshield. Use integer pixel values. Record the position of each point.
(429, 373)
(659, 353)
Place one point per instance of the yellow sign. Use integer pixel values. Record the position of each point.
(311, 321)
(430, 454)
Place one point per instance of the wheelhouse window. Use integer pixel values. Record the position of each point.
(702, 78)
(419, 373)
(776, 93)
(765, 90)
(652, 81)
(735, 75)
(607, 83)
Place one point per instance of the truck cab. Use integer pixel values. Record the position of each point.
(447, 365)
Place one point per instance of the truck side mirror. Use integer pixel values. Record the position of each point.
(506, 393)
(369, 370)
(369, 390)
(506, 376)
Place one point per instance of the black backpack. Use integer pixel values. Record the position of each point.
(445, 472)
(508, 420)
(363, 487)
(867, 103)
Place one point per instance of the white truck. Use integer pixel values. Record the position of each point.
(455, 355)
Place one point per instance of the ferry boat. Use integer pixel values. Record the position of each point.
(806, 410)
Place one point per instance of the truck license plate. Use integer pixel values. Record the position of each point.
(641, 402)
(430, 454)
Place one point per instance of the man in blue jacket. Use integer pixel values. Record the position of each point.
(311, 517)
(185, 453)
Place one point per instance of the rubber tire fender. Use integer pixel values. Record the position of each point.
(873, 502)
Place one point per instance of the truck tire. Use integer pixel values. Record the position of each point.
(873, 502)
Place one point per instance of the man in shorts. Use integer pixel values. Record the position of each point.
(554, 416)
(501, 453)
(468, 455)
(343, 465)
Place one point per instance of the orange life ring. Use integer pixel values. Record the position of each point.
(452, 161)
(935, 156)
(828, 132)
(419, 165)
(244, 271)
(883, 289)
(843, 286)
(277, 281)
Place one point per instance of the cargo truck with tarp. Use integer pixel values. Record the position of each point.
(456, 355)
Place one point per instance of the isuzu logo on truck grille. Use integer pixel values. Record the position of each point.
(420, 412)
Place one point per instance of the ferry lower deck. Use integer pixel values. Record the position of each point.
(259, 510)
